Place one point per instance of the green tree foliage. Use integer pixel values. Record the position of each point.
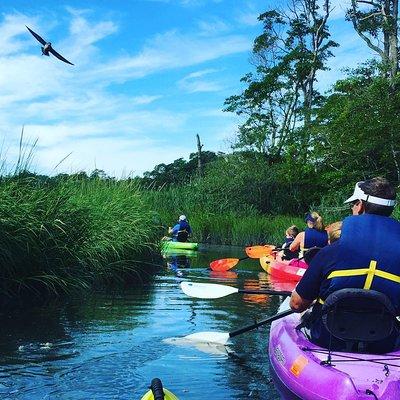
(377, 23)
(178, 172)
(280, 95)
(357, 132)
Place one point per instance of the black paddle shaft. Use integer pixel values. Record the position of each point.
(265, 291)
(263, 322)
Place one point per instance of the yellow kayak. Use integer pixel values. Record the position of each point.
(157, 392)
(265, 263)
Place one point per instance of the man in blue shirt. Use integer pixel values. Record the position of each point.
(366, 256)
(181, 231)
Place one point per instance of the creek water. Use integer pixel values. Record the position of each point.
(110, 345)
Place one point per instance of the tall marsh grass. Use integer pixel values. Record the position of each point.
(57, 236)
(225, 223)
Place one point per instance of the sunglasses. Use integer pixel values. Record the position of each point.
(353, 203)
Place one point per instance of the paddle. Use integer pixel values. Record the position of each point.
(226, 264)
(223, 338)
(214, 291)
(260, 251)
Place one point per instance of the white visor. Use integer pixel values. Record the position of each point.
(359, 194)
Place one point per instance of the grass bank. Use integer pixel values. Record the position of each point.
(215, 222)
(69, 234)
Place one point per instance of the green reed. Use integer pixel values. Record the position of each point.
(68, 234)
(218, 223)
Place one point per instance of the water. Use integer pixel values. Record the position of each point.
(110, 345)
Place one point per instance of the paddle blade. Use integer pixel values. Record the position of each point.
(207, 290)
(224, 264)
(259, 251)
(209, 337)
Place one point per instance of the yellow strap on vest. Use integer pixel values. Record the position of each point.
(370, 275)
(348, 272)
(371, 272)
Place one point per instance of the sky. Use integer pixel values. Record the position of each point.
(148, 76)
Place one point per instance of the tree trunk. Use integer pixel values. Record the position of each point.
(199, 159)
(393, 41)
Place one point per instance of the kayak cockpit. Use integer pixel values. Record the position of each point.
(304, 370)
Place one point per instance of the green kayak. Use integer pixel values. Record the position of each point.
(179, 252)
(158, 392)
(168, 245)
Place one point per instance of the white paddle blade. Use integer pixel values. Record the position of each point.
(209, 337)
(207, 290)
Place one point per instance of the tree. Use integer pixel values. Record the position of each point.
(357, 132)
(178, 172)
(376, 22)
(281, 95)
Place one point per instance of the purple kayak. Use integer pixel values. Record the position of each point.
(300, 371)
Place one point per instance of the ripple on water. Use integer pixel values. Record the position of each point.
(110, 346)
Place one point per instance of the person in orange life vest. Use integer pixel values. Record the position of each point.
(315, 234)
(366, 256)
(181, 231)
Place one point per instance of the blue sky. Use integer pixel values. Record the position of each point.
(148, 76)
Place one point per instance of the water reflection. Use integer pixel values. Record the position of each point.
(224, 275)
(110, 345)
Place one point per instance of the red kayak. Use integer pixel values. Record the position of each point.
(287, 270)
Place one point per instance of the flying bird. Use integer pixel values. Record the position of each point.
(47, 48)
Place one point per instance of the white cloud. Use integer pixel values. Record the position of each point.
(74, 109)
(171, 50)
(113, 156)
(249, 18)
(193, 82)
(213, 27)
(12, 26)
(339, 8)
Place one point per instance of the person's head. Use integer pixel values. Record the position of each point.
(334, 231)
(373, 196)
(314, 220)
(292, 231)
(182, 218)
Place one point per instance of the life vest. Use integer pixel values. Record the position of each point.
(288, 254)
(368, 257)
(183, 232)
(315, 238)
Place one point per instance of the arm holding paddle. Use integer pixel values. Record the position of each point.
(307, 290)
(298, 304)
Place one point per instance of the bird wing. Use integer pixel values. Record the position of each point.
(59, 56)
(35, 35)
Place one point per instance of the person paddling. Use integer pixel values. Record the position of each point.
(181, 231)
(315, 234)
(290, 235)
(366, 257)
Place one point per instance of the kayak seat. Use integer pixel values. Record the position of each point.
(182, 236)
(362, 320)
